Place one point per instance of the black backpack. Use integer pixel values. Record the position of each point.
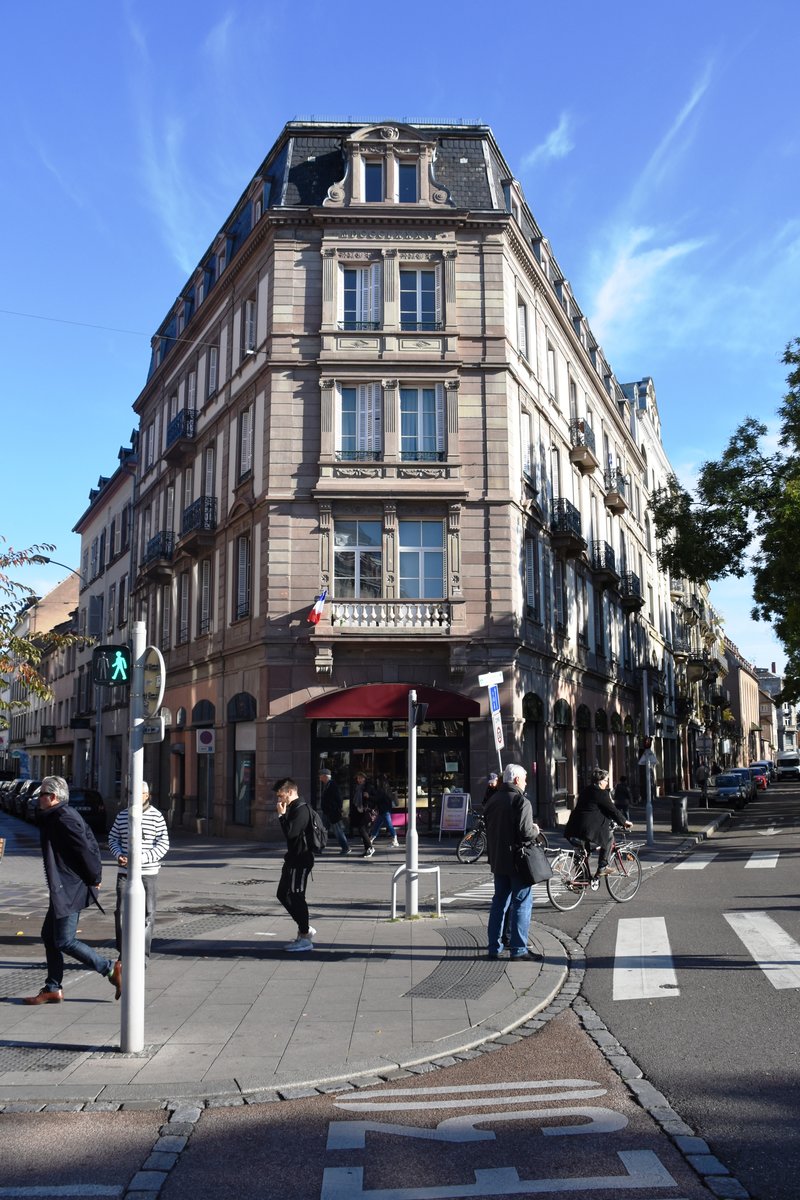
(316, 833)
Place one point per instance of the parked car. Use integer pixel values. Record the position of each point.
(9, 794)
(769, 768)
(89, 804)
(22, 798)
(749, 780)
(729, 788)
(759, 773)
(6, 791)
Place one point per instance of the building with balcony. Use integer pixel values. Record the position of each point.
(378, 386)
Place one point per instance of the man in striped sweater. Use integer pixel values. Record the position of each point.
(155, 844)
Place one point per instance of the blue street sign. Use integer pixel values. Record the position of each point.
(494, 698)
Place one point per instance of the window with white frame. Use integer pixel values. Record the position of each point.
(360, 422)
(166, 615)
(122, 601)
(149, 445)
(533, 578)
(242, 605)
(422, 424)
(191, 390)
(213, 367)
(522, 327)
(209, 468)
(407, 182)
(421, 560)
(188, 487)
(93, 567)
(361, 302)
(357, 560)
(112, 608)
(526, 444)
(560, 595)
(420, 299)
(169, 508)
(204, 598)
(245, 442)
(374, 180)
(249, 325)
(552, 378)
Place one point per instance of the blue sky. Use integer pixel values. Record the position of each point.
(658, 146)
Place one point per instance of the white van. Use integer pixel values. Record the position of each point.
(788, 764)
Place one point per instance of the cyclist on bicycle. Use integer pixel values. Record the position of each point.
(591, 821)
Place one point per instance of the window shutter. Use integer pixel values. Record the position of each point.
(243, 579)
(192, 390)
(363, 403)
(438, 296)
(522, 328)
(208, 463)
(375, 311)
(184, 614)
(246, 458)
(441, 419)
(365, 294)
(95, 616)
(375, 429)
(165, 614)
(205, 594)
(169, 509)
(525, 441)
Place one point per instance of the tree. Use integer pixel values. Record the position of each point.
(746, 503)
(20, 653)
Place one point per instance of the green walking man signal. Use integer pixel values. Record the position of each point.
(111, 665)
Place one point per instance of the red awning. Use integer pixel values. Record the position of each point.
(383, 701)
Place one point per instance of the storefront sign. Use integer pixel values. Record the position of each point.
(453, 812)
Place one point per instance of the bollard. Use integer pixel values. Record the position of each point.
(680, 821)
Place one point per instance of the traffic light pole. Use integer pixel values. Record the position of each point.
(132, 1029)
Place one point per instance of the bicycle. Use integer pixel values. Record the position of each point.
(572, 874)
(473, 843)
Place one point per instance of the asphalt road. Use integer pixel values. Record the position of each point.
(716, 1030)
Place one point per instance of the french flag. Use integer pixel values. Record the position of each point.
(319, 604)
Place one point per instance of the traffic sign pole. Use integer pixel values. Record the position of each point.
(132, 1029)
(412, 838)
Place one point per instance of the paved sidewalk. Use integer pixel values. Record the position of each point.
(230, 1016)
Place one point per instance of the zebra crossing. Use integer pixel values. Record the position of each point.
(765, 859)
(643, 961)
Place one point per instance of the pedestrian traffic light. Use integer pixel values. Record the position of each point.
(418, 714)
(111, 666)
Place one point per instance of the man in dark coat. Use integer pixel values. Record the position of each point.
(509, 824)
(73, 870)
(331, 805)
(592, 817)
(298, 862)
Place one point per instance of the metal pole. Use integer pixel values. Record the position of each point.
(132, 1029)
(412, 840)
(648, 786)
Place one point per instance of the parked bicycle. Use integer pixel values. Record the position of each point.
(473, 843)
(573, 877)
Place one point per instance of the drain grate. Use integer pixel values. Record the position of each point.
(461, 975)
(37, 1058)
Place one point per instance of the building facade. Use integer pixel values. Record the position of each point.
(378, 387)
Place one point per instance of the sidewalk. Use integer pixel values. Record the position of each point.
(230, 1017)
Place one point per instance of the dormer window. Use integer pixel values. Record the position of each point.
(407, 183)
(388, 164)
(373, 182)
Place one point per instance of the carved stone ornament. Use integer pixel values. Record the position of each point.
(439, 196)
(326, 383)
(389, 133)
(452, 384)
(422, 473)
(357, 472)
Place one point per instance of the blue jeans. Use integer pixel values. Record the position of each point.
(335, 828)
(384, 818)
(58, 935)
(510, 890)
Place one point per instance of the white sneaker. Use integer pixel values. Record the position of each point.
(369, 853)
(395, 842)
(311, 931)
(300, 944)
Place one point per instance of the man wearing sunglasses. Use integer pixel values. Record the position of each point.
(73, 869)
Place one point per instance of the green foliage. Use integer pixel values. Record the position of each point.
(20, 656)
(747, 502)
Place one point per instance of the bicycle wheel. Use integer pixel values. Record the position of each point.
(625, 877)
(541, 840)
(566, 885)
(471, 846)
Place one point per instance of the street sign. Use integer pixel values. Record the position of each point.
(111, 666)
(490, 678)
(648, 759)
(494, 698)
(497, 725)
(153, 729)
(155, 677)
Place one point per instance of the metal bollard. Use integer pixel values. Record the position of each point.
(680, 817)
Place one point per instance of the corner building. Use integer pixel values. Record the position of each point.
(378, 384)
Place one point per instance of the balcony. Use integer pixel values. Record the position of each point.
(616, 486)
(157, 559)
(181, 433)
(392, 616)
(677, 587)
(604, 565)
(680, 646)
(582, 447)
(353, 326)
(630, 592)
(198, 525)
(565, 529)
(696, 666)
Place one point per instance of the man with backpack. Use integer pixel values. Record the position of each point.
(297, 822)
(332, 806)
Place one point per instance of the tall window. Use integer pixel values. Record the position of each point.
(213, 364)
(149, 445)
(533, 593)
(373, 181)
(407, 183)
(242, 576)
(112, 608)
(552, 383)
(421, 560)
(188, 487)
(245, 442)
(362, 297)
(522, 326)
(122, 601)
(560, 595)
(169, 508)
(204, 614)
(420, 299)
(249, 325)
(166, 615)
(209, 466)
(422, 424)
(360, 422)
(191, 390)
(183, 608)
(357, 560)
(526, 444)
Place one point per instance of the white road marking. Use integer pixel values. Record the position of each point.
(772, 949)
(697, 862)
(767, 832)
(79, 1190)
(643, 1169)
(643, 960)
(762, 858)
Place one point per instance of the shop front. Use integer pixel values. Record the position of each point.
(365, 729)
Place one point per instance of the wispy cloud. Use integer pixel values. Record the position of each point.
(558, 144)
(217, 41)
(669, 152)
